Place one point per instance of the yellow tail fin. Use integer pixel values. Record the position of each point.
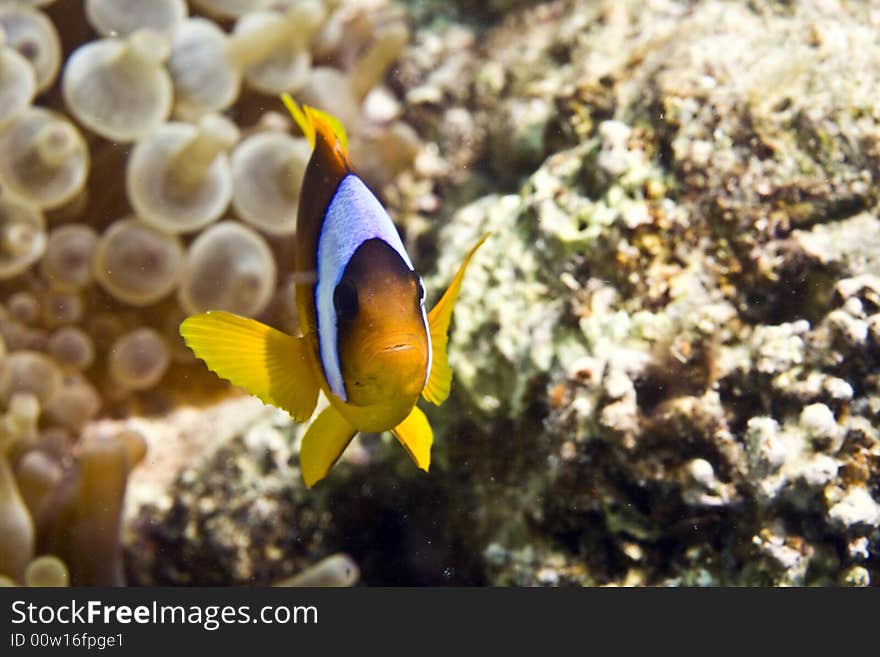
(312, 120)
(325, 440)
(267, 363)
(415, 434)
(440, 380)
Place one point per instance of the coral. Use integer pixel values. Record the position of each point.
(119, 88)
(137, 263)
(246, 533)
(126, 202)
(22, 237)
(204, 81)
(92, 251)
(229, 8)
(228, 267)
(43, 159)
(345, 92)
(287, 67)
(16, 526)
(30, 33)
(17, 82)
(686, 324)
(61, 504)
(178, 178)
(46, 571)
(74, 404)
(665, 356)
(267, 170)
(71, 347)
(66, 264)
(121, 18)
(207, 65)
(29, 372)
(138, 359)
(333, 571)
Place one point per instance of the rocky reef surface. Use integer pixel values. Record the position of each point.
(665, 356)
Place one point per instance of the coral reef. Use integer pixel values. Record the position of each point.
(60, 505)
(665, 319)
(241, 513)
(665, 357)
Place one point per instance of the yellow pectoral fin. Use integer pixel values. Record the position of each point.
(415, 434)
(323, 444)
(440, 380)
(267, 363)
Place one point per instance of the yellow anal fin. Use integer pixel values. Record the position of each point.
(267, 363)
(312, 120)
(415, 434)
(325, 440)
(440, 380)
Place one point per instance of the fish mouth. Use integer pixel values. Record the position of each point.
(398, 343)
(403, 346)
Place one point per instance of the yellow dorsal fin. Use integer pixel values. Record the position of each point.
(267, 363)
(440, 380)
(326, 439)
(415, 434)
(312, 120)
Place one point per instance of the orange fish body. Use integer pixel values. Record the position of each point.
(367, 340)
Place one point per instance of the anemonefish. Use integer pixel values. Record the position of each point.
(366, 341)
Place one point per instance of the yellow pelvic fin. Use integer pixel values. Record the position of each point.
(325, 440)
(440, 380)
(311, 120)
(415, 434)
(267, 363)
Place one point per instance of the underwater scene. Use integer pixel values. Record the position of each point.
(426, 293)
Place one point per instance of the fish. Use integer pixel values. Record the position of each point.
(366, 339)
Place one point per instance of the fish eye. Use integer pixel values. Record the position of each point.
(345, 299)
